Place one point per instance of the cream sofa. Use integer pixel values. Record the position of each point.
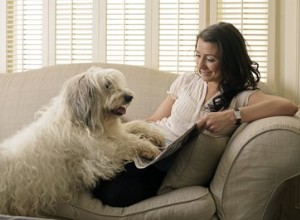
(257, 169)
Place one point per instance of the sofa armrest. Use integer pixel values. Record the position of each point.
(259, 159)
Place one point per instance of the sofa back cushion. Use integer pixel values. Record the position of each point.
(22, 94)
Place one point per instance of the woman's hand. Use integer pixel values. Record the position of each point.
(217, 122)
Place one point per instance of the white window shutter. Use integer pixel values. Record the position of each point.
(125, 40)
(124, 22)
(74, 31)
(251, 18)
(178, 27)
(24, 35)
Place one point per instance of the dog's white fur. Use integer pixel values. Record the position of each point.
(77, 140)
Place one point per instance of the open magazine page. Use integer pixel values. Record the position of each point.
(168, 149)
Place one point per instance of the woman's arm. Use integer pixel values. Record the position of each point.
(163, 110)
(259, 106)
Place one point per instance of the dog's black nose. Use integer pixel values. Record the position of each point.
(128, 98)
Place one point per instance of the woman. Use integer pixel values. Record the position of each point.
(221, 94)
(225, 71)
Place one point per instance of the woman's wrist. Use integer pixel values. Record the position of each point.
(237, 115)
(234, 116)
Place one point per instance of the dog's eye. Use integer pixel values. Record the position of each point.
(107, 84)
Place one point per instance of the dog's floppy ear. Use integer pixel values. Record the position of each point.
(83, 103)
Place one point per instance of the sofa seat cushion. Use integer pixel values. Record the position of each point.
(10, 217)
(190, 203)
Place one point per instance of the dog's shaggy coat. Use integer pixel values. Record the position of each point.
(77, 140)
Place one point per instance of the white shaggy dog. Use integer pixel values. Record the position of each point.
(77, 140)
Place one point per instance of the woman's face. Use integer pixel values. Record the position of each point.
(207, 60)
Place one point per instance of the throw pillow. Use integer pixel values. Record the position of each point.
(196, 163)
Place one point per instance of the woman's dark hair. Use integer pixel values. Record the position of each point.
(238, 71)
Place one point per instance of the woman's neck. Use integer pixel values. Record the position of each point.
(212, 89)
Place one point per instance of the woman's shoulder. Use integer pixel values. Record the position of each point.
(189, 77)
(186, 81)
(246, 93)
(242, 98)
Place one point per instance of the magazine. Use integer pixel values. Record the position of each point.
(169, 149)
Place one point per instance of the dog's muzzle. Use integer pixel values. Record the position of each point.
(121, 110)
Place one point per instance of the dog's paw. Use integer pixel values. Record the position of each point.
(136, 126)
(149, 153)
(156, 138)
(145, 131)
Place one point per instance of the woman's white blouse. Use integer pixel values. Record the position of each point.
(189, 92)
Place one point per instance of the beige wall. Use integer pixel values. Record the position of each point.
(287, 57)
